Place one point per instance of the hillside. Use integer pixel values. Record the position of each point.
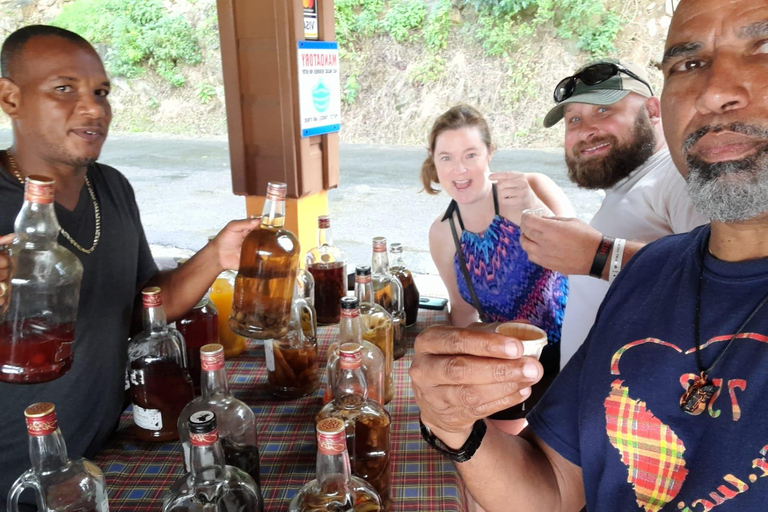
(403, 61)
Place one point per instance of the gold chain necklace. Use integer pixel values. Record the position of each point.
(96, 212)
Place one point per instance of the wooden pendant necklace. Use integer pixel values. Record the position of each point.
(695, 399)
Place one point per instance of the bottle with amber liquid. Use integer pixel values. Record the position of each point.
(410, 292)
(211, 484)
(37, 324)
(222, 292)
(368, 423)
(261, 307)
(374, 362)
(200, 326)
(388, 293)
(377, 327)
(61, 484)
(334, 489)
(328, 265)
(237, 423)
(160, 383)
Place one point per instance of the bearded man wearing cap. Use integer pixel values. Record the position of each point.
(613, 142)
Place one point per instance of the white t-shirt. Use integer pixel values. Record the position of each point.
(650, 203)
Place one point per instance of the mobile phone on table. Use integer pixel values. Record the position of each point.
(432, 302)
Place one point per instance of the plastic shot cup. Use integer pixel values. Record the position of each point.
(534, 339)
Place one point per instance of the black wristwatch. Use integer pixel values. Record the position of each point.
(466, 451)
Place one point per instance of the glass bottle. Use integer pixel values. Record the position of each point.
(211, 484)
(237, 423)
(160, 383)
(377, 327)
(367, 423)
(37, 325)
(305, 289)
(374, 362)
(328, 265)
(200, 326)
(293, 365)
(261, 307)
(334, 489)
(410, 292)
(222, 291)
(388, 292)
(61, 484)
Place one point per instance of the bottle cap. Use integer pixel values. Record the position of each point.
(276, 191)
(350, 307)
(363, 274)
(203, 429)
(323, 222)
(41, 419)
(351, 356)
(331, 436)
(151, 297)
(39, 189)
(379, 244)
(211, 357)
(396, 247)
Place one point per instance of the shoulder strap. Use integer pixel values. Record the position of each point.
(453, 208)
(463, 266)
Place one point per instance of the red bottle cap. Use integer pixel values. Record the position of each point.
(211, 357)
(351, 356)
(151, 297)
(331, 436)
(41, 419)
(379, 244)
(39, 189)
(276, 191)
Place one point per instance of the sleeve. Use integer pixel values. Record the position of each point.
(680, 213)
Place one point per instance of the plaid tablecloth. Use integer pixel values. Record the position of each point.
(139, 473)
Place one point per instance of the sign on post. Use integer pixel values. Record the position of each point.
(319, 87)
(310, 19)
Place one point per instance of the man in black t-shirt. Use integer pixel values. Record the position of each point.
(54, 89)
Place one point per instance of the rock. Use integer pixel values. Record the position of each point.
(652, 28)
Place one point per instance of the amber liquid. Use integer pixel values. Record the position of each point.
(199, 327)
(165, 386)
(43, 354)
(383, 297)
(332, 499)
(261, 305)
(297, 371)
(243, 457)
(410, 294)
(330, 287)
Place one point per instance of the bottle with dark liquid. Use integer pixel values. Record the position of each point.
(261, 306)
(211, 484)
(293, 365)
(388, 293)
(368, 423)
(237, 423)
(374, 363)
(200, 326)
(37, 322)
(328, 265)
(410, 292)
(377, 327)
(334, 489)
(61, 484)
(160, 383)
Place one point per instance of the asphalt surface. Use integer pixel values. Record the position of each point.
(184, 191)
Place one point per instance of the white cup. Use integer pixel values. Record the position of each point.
(534, 339)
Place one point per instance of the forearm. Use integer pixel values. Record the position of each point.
(630, 248)
(183, 287)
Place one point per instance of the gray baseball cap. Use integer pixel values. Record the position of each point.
(608, 92)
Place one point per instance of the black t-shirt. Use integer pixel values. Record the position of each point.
(89, 397)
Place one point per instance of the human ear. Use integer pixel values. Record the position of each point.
(653, 106)
(9, 97)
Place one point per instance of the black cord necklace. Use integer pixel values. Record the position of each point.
(695, 399)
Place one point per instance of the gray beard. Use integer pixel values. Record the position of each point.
(731, 191)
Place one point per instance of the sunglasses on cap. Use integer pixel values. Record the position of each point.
(593, 75)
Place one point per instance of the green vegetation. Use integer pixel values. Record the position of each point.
(138, 34)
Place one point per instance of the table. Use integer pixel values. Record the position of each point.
(139, 473)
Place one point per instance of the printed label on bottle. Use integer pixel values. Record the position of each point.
(137, 377)
(270, 355)
(148, 419)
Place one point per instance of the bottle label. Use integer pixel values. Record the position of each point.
(364, 279)
(40, 192)
(148, 419)
(269, 353)
(211, 361)
(151, 297)
(350, 313)
(42, 426)
(206, 439)
(137, 378)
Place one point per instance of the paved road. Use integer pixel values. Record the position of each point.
(184, 191)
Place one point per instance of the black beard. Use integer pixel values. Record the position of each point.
(606, 172)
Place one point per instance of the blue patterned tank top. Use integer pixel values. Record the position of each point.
(507, 284)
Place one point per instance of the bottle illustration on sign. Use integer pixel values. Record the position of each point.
(309, 4)
(321, 97)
